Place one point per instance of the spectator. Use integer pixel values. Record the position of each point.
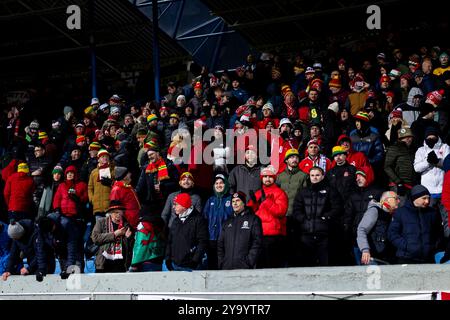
(355, 158)
(217, 210)
(314, 158)
(188, 237)
(18, 193)
(425, 120)
(46, 203)
(240, 240)
(100, 181)
(398, 165)
(186, 184)
(416, 230)
(314, 207)
(39, 166)
(114, 236)
(150, 244)
(123, 192)
(428, 162)
(270, 203)
(245, 177)
(372, 230)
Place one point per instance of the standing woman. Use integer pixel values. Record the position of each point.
(71, 196)
(217, 210)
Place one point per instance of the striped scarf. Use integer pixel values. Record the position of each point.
(114, 250)
(160, 168)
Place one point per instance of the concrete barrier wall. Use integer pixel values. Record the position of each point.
(290, 283)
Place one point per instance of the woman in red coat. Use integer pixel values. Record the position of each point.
(124, 192)
(71, 194)
(18, 193)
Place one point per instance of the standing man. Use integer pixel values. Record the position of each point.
(188, 237)
(416, 229)
(100, 183)
(240, 240)
(292, 180)
(314, 208)
(270, 203)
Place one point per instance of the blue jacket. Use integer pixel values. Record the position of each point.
(416, 233)
(62, 242)
(216, 211)
(368, 143)
(27, 245)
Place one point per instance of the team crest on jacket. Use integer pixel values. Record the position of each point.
(228, 203)
(245, 225)
(323, 191)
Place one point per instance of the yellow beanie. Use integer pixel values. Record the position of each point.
(23, 167)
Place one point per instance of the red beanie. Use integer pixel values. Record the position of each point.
(183, 199)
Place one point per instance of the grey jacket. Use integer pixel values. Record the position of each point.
(365, 226)
(168, 213)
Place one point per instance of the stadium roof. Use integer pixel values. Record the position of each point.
(35, 37)
(294, 24)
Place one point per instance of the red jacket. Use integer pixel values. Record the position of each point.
(355, 158)
(446, 192)
(321, 161)
(62, 200)
(279, 154)
(18, 192)
(127, 196)
(272, 210)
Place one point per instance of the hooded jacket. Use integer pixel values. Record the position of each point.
(18, 192)
(128, 197)
(217, 210)
(432, 177)
(69, 205)
(369, 143)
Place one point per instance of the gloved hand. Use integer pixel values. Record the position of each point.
(401, 190)
(263, 195)
(432, 158)
(169, 264)
(252, 196)
(64, 275)
(39, 276)
(107, 182)
(74, 197)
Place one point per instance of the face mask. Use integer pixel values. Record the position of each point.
(431, 142)
(285, 135)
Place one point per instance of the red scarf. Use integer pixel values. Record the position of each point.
(160, 168)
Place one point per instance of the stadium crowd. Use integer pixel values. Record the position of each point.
(355, 170)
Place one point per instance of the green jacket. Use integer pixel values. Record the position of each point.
(399, 164)
(291, 182)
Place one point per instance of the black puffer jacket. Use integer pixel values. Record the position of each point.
(239, 243)
(188, 240)
(356, 205)
(316, 208)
